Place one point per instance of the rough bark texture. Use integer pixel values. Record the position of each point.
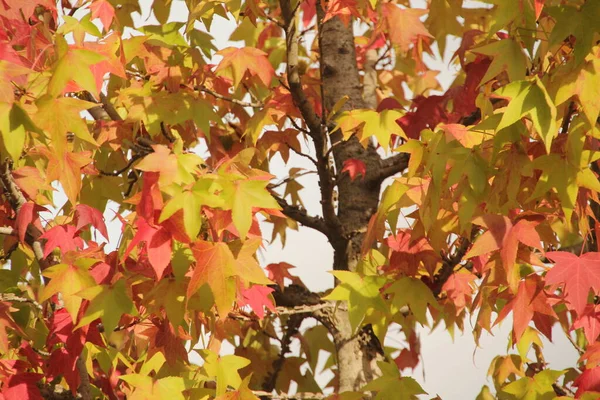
(358, 199)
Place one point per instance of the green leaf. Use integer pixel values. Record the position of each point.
(242, 196)
(415, 294)
(108, 303)
(507, 56)
(393, 386)
(537, 388)
(530, 98)
(361, 292)
(224, 369)
(14, 124)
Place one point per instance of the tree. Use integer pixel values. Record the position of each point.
(491, 210)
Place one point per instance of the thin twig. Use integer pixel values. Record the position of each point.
(216, 95)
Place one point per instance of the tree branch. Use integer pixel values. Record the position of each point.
(393, 165)
(253, 104)
(300, 215)
(316, 130)
(282, 396)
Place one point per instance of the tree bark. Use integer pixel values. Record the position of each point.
(358, 199)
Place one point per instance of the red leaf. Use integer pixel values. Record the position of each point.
(104, 10)
(590, 322)
(22, 387)
(588, 381)
(429, 111)
(539, 5)
(530, 301)
(278, 272)
(28, 214)
(63, 237)
(157, 242)
(257, 297)
(85, 215)
(309, 10)
(407, 254)
(355, 167)
(459, 289)
(578, 274)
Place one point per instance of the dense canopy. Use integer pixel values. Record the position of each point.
(460, 207)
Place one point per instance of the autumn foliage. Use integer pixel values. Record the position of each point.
(479, 201)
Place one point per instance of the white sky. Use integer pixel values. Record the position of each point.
(452, 370)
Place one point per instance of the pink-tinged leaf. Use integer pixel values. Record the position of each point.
(245, 60)
(28, 214)
(539, 5)
(22, 387)
(354, 167)
(85, 215)
(588, 381)
(278, 272)
(104, 10)
(459, 288)
(63, 237)
(590, 322)
(344, 9)
(578, 274)
(158, 244)
(257, 297)
(309, 10)
(530, 303)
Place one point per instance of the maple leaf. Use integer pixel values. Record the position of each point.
(530, 302)
(57, 116)
(589, 320)
(361, 292)
(107, 302)
(404, 25)
(245, 60)
(530, 98)
(577, 274)
(278, 272)
(507, 56)
(537, 387)
(22, 386)
(354, 167)
(169, 387)
(158, 244)
(215, 267)
(28, 214)
(61, 236)
(257, 298)
(173, 168)
(7, 321)
(79, 60)
(14, 124)
(242, 393)
(580, 82)
(393, 386)
(104, 10)
(244, 195)
(86, 215)
(224, 369)
(68, 280)
(408, 254)
(505, 235)
(459, 288)
(588, 381)
(415, 294)
(429, 111)
(344, 9)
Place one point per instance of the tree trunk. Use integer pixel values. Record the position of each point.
(357, 352)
